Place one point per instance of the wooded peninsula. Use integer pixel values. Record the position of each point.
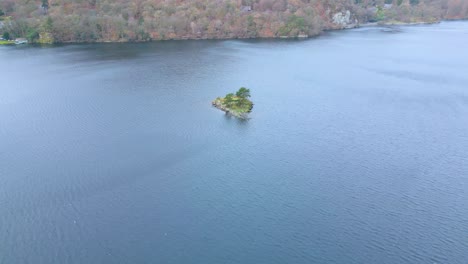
(62, 21)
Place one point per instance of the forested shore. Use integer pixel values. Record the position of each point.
(62, 21)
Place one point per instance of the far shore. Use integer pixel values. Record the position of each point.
(363, 25)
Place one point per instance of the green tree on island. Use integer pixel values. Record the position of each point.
(242, 97)
(243, 92)
(229, 100)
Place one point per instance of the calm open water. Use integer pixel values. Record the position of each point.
(357, 151)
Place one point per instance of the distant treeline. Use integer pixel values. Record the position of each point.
(144, 20)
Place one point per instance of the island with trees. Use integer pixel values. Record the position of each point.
(237, 104)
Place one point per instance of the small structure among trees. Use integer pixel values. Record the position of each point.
(237, 104)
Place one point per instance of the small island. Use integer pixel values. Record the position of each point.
(237, 104)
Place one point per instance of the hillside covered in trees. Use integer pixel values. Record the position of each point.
(144, 20)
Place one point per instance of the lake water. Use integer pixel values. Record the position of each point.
(356, 150)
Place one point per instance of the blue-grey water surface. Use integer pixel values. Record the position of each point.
(356, 150)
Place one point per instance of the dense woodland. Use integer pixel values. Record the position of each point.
(144, 20)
